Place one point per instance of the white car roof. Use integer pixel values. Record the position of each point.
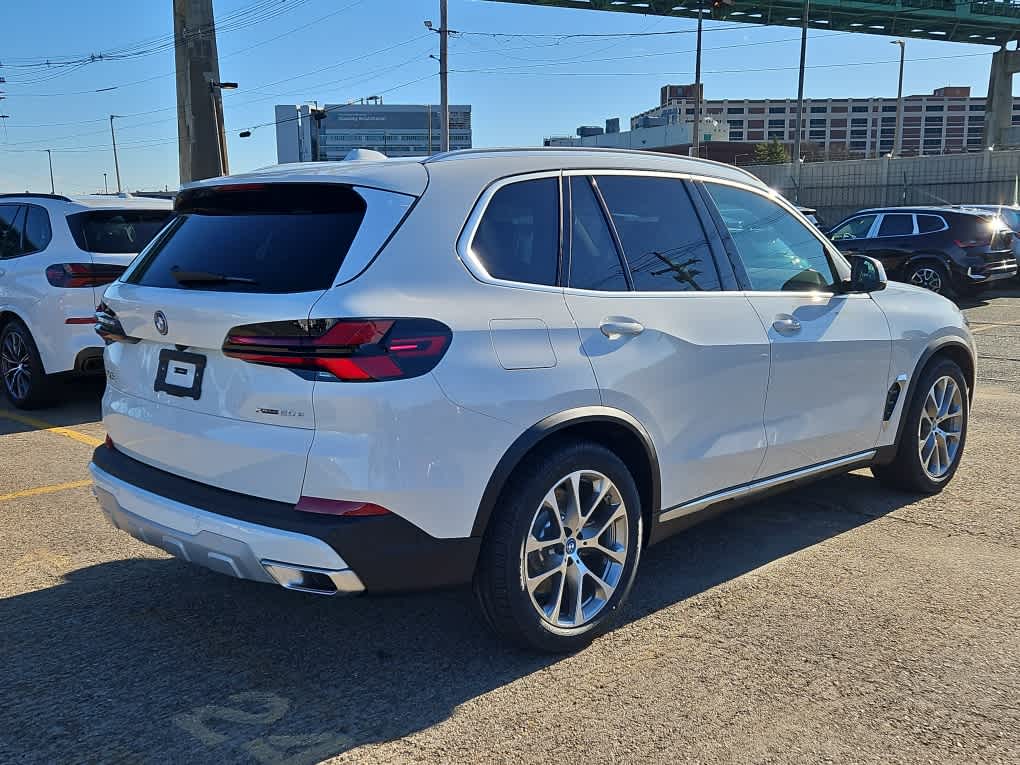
(80, 203)
(409, 175)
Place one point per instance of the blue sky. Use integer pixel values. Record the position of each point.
(521, 88)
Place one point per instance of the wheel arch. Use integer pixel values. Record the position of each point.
(952, 348)
(613, 428)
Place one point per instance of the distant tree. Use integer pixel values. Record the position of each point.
(771, 153)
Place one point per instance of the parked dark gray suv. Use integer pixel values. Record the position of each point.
(947, 250)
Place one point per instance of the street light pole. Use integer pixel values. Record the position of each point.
(696, 136)
(898, 144)
(800, 98)
(49, 153)
(116, 163)
(444, 35)
(216, 88)
(105, 184)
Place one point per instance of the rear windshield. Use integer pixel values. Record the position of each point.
(275, 238)
(117, 232)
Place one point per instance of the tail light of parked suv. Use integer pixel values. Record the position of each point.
(108, 326)
(352, 350)
(73, 275)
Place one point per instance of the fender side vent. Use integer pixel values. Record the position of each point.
(890, 400)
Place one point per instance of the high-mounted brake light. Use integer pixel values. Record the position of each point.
(73, 275)
(352, 350)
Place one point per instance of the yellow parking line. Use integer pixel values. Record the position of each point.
(44, 490)
(32, 422)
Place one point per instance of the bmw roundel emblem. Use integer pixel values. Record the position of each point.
(159, 319)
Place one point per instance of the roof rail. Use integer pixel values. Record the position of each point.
(581, 150)
(37, 195)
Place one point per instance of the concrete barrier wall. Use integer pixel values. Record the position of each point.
(838, 189)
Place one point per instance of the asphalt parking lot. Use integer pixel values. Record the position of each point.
(838, 623)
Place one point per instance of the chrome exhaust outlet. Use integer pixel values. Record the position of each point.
(318, 581)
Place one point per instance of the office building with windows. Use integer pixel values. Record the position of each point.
(309, 133)
(949, 120)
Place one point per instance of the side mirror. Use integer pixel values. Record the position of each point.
(866, 274)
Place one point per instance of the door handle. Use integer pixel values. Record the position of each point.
(614, 328)
(786, 325)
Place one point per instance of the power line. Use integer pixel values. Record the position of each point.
(522, 69)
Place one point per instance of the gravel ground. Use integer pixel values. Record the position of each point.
(838, 623)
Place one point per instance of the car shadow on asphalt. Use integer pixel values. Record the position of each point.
(76, 400)
(149, 659)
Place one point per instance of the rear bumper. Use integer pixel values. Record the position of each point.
(990, 272)
(264, 540)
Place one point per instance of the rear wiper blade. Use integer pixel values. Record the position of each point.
(208, 277)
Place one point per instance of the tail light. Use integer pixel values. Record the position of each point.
(341, 507)
(109, 328)
(73, 275)
(352, 350)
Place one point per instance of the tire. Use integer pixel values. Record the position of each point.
(525, 514)
(909, 470)
(25, 382)
(928, 274)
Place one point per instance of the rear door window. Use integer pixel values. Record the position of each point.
(662, 237)
(10, 231)
(518, 237)
(37, 233)
(896, 224)
(276, 238)
(594, 262)
(117, 232)
(926, 224)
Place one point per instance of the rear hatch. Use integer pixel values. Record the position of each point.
(245, 262)
(987, 236)
(112, 239)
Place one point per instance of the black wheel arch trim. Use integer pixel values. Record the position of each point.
(887, 453)
(546, 428)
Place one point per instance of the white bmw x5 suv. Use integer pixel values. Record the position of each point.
(57, 254)
(514, 368)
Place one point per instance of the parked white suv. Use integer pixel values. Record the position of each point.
(56, 256)
(513, 368)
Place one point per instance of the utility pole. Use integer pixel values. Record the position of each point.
(898, 143)
(199, 99)
(800, 98)
(116, 163)
(444, 36)
(49, 153)
(696, 135)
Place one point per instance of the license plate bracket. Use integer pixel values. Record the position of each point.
(180, 373)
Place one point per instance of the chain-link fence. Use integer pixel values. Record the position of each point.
(837, 189)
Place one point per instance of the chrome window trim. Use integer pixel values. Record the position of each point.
(465, 241)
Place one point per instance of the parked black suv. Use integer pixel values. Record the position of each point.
(947, 250)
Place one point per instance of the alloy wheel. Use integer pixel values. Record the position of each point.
(927, 277)
(940, 429)
(576, 549)
(15, 366)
